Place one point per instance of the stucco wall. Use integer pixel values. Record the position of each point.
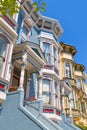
(12, 118)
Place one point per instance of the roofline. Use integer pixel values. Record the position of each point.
(80, 65)
(69, 46)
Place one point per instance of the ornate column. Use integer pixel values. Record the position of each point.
(8, 64)
(63, 107)
(53, 93)
(11, 71)
(58, 99)
(23, 66)
(70, 103)
(28, 86)
(21, 89)
(70, 107)
(40, 87)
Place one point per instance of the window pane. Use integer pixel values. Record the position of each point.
(3, 46)
(46, 50)
(1, 65)
(54, 55)
(55, 94)
(46, 85)
(55, 88)
(46, 97)
(24, 33)
(79, 83)
(67, 70)
(46, 91)
(47, 56)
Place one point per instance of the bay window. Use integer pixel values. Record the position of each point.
(3, 47)
(55, 94)
(79, 83)
(54, 55)
(46, 91)
(46, 51)
(67, 70)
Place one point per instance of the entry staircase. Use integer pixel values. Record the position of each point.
(35, 108)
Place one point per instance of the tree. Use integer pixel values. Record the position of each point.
(40, 5)
(11, 6)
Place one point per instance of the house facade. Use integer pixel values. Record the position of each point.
(76, 76)
(8, 37)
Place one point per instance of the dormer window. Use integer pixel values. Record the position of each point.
(67, 70)
(46, 51)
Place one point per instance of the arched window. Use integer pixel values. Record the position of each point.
(3, 48)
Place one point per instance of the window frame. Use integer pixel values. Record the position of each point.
(79, 83)
(56, 94)
(24, 35)
(54, 55)
(3, 37)
(45, 93)
(47, 53)
(68, 71)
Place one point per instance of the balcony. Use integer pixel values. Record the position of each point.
(85, 97)
(76, 114)
(71, 81)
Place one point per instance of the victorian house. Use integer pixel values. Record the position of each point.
(40, 84)
(8, 37)
(76, 76)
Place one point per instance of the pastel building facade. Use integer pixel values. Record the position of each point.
(76, 76)
(8, 37)
(32, 72)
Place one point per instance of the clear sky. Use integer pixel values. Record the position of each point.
(72, 15)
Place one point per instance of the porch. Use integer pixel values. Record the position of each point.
(26, 62)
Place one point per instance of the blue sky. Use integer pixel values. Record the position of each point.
(72, 15)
